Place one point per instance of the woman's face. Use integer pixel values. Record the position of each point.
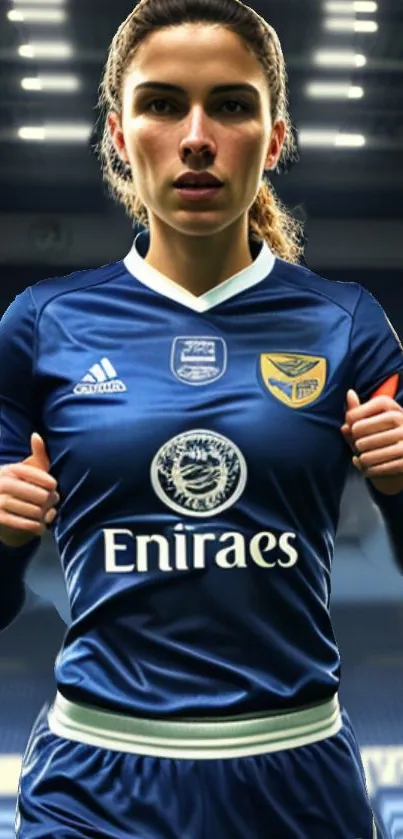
(163, 133)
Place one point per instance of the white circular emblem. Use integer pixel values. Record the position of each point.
(199, 473)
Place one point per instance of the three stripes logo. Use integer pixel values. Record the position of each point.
(101, 378)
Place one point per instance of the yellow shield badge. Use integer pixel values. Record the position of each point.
(297, 380)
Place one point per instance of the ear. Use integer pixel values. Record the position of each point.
(276, 144)
(117, 135)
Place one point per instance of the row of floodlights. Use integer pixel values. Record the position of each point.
(52, 50)
(69, 83)
(343, 11)
(58, 83)
(65, 133)
(55, 16)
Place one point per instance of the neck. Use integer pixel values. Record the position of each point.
(198, 263)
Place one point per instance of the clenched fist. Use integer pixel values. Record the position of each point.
(28, 497)
(374, 431)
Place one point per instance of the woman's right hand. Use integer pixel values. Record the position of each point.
(28, 497)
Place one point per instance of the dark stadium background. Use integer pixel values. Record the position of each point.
(55, 217)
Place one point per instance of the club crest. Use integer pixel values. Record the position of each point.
(196, 360)
(199, 473)
(292, 378)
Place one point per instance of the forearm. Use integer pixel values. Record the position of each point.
(391, 507)
(11, 538)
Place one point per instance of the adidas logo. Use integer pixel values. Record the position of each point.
(101, 378)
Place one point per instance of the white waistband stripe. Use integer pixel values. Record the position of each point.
(194, 739)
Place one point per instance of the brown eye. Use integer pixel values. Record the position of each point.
(243, 105)
(154, 101)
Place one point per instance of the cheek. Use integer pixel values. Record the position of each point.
(247, 163)
(247, 149)
(147, 147)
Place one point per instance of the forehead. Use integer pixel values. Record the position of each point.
(206, 52)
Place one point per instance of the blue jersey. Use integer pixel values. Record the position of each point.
(197, 448)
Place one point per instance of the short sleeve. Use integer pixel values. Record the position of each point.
(19, 411)
(19, 415)
(375, 349)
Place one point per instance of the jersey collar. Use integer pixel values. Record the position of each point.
(261, 267)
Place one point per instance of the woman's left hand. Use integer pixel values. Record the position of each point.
(374, 431)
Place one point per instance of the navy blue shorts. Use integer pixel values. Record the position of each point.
(70, 789)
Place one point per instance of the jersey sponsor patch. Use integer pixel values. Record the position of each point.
(292, 378)
(199, 473)
(198, 360)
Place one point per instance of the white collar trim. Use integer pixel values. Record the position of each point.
(264, 261)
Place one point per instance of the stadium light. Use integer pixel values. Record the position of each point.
(334, 90)
(49, 83)
(350, 141)
(39, 2)
(316, 138)
(341, 24)
(56, 133)
(351, 6)
(46, 49)
(333, 58)
(37, 15)
(31, 133)
(366, 26)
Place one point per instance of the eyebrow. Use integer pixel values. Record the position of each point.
(223, 88)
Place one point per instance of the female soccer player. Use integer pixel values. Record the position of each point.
(191, 407)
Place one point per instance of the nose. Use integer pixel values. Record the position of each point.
(197, 137)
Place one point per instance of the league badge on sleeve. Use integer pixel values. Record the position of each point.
(292, 378)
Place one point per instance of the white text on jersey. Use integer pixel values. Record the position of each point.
(189, 552)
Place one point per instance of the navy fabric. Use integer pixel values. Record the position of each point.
(200, 465)
(75, 790)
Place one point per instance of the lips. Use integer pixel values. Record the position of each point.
(191, 180)
(199, 186)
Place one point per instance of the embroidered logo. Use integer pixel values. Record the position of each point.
(199, 473)
(100, 378)
(292, 378)
(198, 360)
